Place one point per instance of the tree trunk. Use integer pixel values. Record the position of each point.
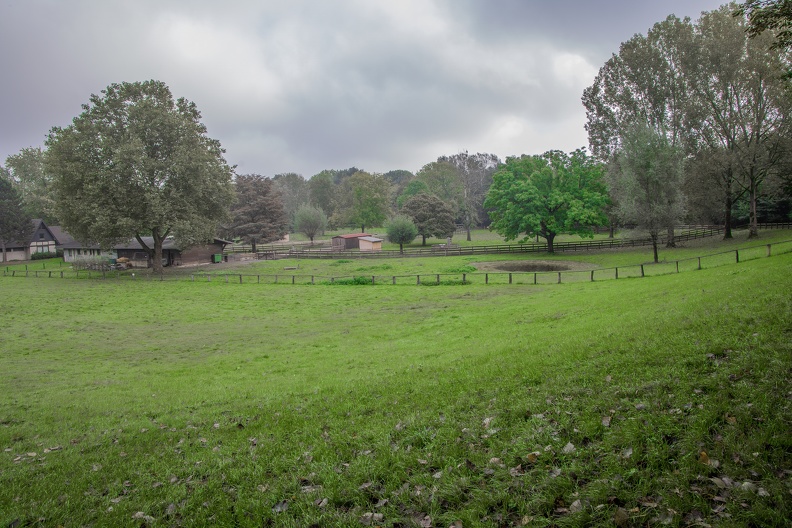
(753, 232)
(424, 240)
(401, 248)
(671, 242)
(253, 245)
(549, 237)
(727, 225)
(362, 228)
(468, 233)
(4, 252)
(311, 240)
(653, 234)
(612, 230)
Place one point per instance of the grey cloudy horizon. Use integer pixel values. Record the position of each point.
(302, 86)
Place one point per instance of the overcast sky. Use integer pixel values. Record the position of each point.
(301, 86)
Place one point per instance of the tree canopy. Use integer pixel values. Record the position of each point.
(547, 195)
(772, 15)
(257, 215)
(645, 179)
(136, 163)
(35, 185)
(310, 221)
(431, 215)
(15, 223)
(401, 230)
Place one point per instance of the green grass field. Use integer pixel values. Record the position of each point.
(656, 401)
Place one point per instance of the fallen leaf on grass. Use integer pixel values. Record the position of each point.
(381, 503)
(569, 448)
(627, 453)
(282, 506)
(369, 518)
(438, 475)
(532, 457)
(144, 517)
(576, 506)
(555, 472)
(426, 522)
(365, 485)
(606, 420)
(320, 503)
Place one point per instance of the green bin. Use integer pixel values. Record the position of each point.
(217, 258)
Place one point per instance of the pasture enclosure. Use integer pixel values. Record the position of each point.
(178, 403)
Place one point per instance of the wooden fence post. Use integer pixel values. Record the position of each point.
(617, 273)
(292, 279)
(592, 275)
(226, 278)
(737, 255)
(438, 278)
(486, 278)
(699, 263)
(677, 265)
(559, 277)
(240, 278)
(534, 278)
(768, 249)
(417, 279)
(642, 271)
(394, 279)
(464, 275)
(372, 279)
(510, 278)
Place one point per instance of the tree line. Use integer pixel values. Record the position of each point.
(689, 122)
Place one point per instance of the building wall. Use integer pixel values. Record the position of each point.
(72, 254)
(365, 245)
(14, 254)
(198, 255)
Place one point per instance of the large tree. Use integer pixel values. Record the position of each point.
(547, 195)
(294, 191)
(739, 107)
(475, 176)
(15, 223)
(370, 199)
(431, 215)
(310, 221)
(644, 83)
(137, 163)
(34, 184)
(257, 216)
(645, 179)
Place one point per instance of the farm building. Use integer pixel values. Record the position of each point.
(42, 240)
(172, 255)
(370, 243)
(350, 241)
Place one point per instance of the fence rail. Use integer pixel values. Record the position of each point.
(734, 256)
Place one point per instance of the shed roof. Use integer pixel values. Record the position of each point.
(353, 235)
(370, 239)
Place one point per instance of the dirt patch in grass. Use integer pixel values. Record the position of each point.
(532, 265)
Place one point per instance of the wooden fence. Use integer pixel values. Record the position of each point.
(525, 278)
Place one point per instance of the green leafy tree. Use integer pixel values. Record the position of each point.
(321, 189)
(35, 185)
(413, 188)
(401, 230)
(257, 216)
(294, 192)
(444, 181)
(15, 223)
(645, 179)
(739, 109)
(370, 198)
(432, 216)
(136, 163)
(768, 15)
(547, 195)
(310, 221)
(475, 175)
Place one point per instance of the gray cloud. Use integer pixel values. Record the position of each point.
(301, 86)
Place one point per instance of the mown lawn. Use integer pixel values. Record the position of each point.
(660, 401)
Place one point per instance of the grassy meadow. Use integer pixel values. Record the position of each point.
(657, 401)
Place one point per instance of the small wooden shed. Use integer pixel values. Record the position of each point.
(350, 241)
(370, 243)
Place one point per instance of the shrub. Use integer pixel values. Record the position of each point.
(354, 281)
(44, 255)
